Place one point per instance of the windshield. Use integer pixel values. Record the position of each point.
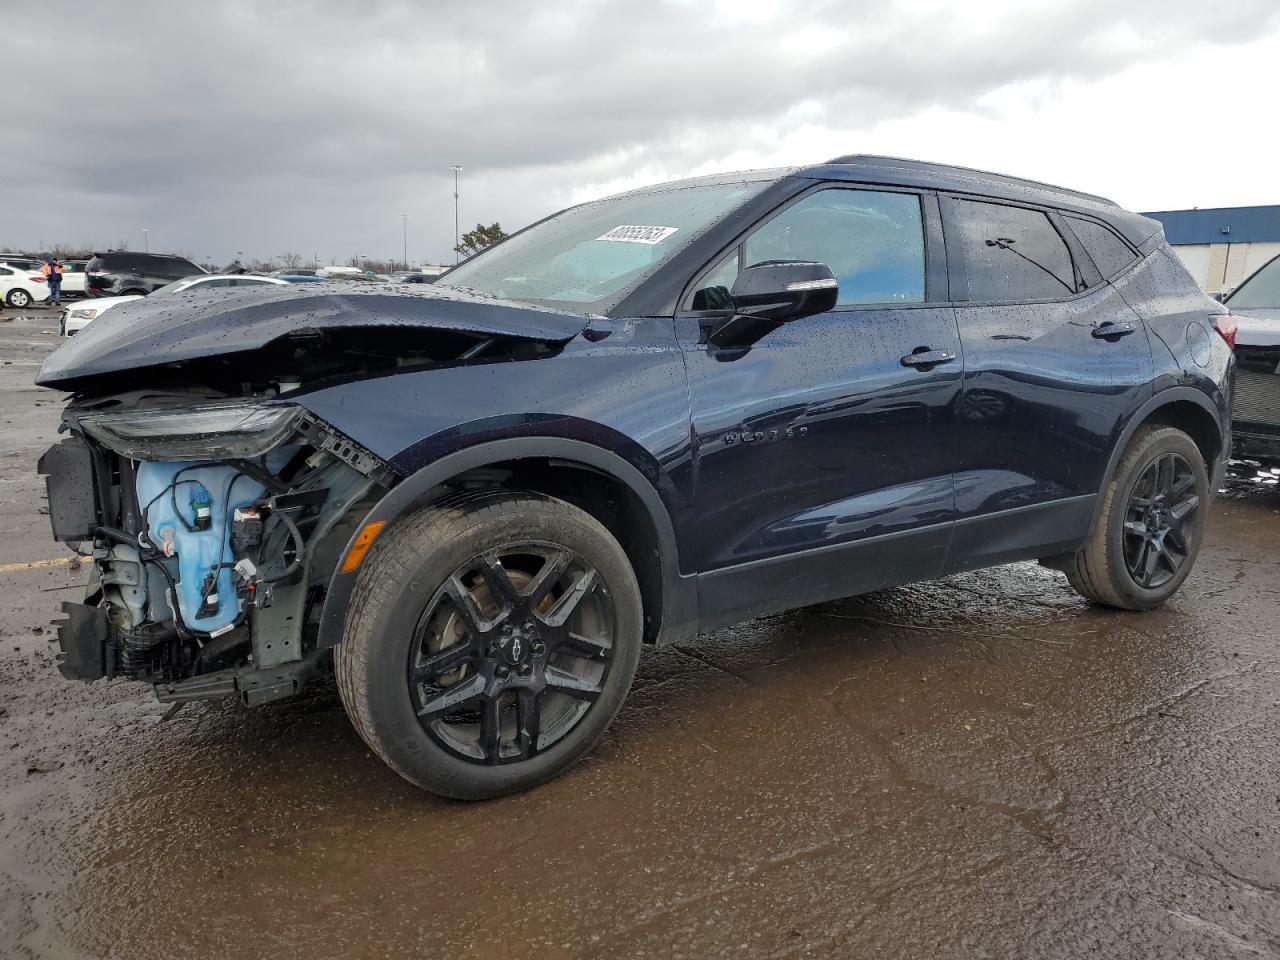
(587, 254)
(1259, 292)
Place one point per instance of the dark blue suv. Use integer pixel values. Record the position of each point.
(639, 419)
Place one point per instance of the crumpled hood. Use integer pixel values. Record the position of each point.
(184, 326)
(1257, 328)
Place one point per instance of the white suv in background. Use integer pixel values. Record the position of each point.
(76, 318)
(73, 277)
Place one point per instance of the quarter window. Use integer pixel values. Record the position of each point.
(1012, 253)
(1109, 253)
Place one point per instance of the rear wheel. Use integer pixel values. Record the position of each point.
(19, 298)
(1152, 524)
(489, 643)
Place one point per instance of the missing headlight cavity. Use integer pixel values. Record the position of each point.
(323, 437)
(214, 526)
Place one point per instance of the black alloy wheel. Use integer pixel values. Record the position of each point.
(511, 652)
(490, 641)
(1150, 525)
(1157, 521)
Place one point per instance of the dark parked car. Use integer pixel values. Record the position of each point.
(121, 273)
(1256, 414)
(640, 419)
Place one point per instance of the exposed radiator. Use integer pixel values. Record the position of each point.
(1257, 398)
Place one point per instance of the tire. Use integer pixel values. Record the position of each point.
(133, 292)
(442, 649)
(19, 298)
(1147, 538)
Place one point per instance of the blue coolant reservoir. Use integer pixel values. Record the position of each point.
(195, 486)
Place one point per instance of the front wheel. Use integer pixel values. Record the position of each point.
(489, 643)
(19, 298)
(1152, 524)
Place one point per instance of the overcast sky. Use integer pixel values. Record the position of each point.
(311, 127)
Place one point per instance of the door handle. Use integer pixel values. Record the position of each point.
(1112, 331)
(923, 357)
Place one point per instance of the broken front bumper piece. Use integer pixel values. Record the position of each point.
(83, 639)
(86, 655)
(252, 687)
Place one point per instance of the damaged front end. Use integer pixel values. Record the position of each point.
(214, 504)
(214, 529)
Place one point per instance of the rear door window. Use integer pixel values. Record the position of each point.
(1109, 253)
(1010, 253)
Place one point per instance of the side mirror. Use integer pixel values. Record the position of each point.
(767, 295)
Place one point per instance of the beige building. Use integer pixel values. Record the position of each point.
(1222, 245)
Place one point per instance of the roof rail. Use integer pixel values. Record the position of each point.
(986, 174)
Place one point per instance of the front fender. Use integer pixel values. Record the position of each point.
(679, 594)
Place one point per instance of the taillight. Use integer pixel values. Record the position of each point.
(36, 279)
(1226, 326)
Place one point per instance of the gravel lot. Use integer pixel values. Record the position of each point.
(984, 766)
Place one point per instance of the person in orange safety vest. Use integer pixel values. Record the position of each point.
(53, 276)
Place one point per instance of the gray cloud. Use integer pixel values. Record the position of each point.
(264, 126)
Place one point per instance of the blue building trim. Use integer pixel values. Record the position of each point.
(1221, 225)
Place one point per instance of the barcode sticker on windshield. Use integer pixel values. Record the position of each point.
(632, 233)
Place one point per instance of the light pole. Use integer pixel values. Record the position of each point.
(404, 223)
(457, 238)
(146, 240)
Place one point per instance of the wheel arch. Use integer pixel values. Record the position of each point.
(594, 479)
(1185, 408)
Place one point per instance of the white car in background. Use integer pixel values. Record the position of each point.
(75, 319)
(21, 287)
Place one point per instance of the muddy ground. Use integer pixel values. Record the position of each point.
(985, 766)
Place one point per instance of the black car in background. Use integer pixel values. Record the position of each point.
(1256, 410)
(122, 273)
(638, 420)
